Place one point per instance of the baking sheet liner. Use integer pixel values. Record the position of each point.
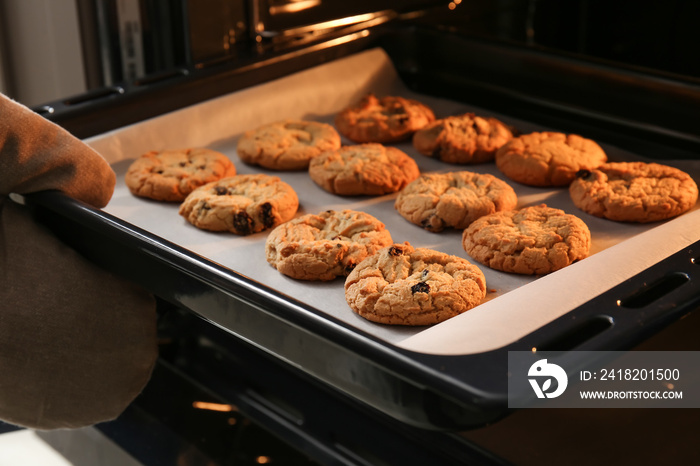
(515, 305)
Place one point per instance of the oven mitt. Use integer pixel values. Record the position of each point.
(77, 343)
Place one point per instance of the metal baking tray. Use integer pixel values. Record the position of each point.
(449, 376)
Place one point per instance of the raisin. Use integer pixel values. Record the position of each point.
(437, 153)
(583, 174)
(183, 164)
(420, 287)
(266, 214)
(349, 268)
(220, 190)
(242, 223)
(395, 251)
(424, 274)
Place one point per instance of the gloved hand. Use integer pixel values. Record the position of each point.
(77, 343)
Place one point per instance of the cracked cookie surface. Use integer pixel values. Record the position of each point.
(532, 241)
(548, 158)
(386, 119)
(403, 285)
(365, 169)
(634, 191)
(462, 139)
(437, 201)
(241, 204)
(288, 144)
(325, 246)
(171, 175)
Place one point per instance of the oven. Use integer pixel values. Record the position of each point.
(255, 369)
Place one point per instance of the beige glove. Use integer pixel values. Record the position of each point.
(77, 344)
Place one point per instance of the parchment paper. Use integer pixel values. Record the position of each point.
(515, 305)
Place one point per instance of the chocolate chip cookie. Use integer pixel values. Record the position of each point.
(288, 144)
(531, 241)
(462, 139)
(365, 169)
(384, 120)
(634, 191)
(548, 158)
(403, 285)
(171, 175)
(437, 201)
(325, 246)
(241, 204)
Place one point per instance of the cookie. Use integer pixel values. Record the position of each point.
(403, 285)
(241, 204)
(634, 191)
(547, 158)
(325, 246)
(288, 144)
(171, 175)
(462, 139)
(531, 241)
(371, 169)
(384, 120)
(437, 201)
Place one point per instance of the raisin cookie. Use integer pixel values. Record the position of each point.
(462, 139)
(241, 204)
(531, 241)
(634, 191)
(371, 169)
(402, 285)
(325, 246)
(548, 158)
(287, 145)
(386, 119)
(439, 200)
(171, 175)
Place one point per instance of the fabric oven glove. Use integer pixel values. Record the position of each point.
(77, 343)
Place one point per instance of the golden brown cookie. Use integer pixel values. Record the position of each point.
(386, 119)
(547, 158)
(402, 285)
(325, 246)
(532, 241)
(288, 144)
(440, 200)
(241, 204)
(171, 175)
(462, 139)
(634, 191)
(371, 169)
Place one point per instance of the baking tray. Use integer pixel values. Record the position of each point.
(452, 375)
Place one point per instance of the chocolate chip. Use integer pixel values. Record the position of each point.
(201, 167)
(266, 214)
(583, 174)
(420, 287)
(242, 223)
(220, 190)
(395, 251)
(159, 171)
(183, 164)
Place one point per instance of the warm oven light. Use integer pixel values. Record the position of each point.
(213, 406)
